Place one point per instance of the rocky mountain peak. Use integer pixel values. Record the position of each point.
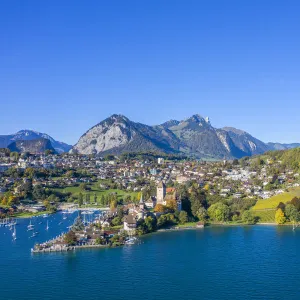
(170, 123)
(198, 119)
(194, 136)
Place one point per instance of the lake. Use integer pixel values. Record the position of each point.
(258, 262)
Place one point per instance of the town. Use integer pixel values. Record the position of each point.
(145, 192)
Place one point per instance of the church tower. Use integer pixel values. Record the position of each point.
(141, 203)
(161, 192)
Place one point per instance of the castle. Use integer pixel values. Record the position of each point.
(163, 195)
(137, 212)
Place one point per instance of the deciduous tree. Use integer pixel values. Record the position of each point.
(183, 217)
(280, 217)
(248, 217)
(159, 208)
(219, 212)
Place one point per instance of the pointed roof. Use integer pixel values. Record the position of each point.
(161, 185)
(141, 200)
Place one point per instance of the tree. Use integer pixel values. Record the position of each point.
(29, 172)
(87, 198)
(83, 186)
(80, 199)
(296, 202)
(102, 201)
(281, 205)
(206, 187)
(172, 205)
(26, 189)
(116, 221)
(113, 204)
(95, 198)
(39, 193)
(291, 213)
(151, 223)
(219, 212)
(127, 199)
(70, 238)
(183, 217)
(198, 200)
(141, 227)
(47, 205)
(70, 174)
(280, 217)
(14, 156)
(202, 214)
(248, 217)
(166, 220)
(100, 241)
(12, 200)
(159, 208)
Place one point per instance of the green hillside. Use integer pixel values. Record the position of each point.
(273, 202)
(265, 209)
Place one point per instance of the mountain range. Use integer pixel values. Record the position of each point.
(194, 136)
(30, 135)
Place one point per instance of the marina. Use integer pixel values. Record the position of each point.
(45, 233)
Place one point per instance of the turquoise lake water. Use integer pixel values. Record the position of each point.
(259, 262)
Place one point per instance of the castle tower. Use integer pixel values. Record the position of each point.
(141, 203)
(161, 192)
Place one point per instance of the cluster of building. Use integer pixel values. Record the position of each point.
(144, 207)
(222, 178)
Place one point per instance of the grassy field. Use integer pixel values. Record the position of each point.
(273, 202)
(265, 209)
(265, 216)
(95, 189)
(189, 224)
(29, 215)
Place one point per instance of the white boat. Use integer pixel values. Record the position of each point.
(30, 226)
(14, 234)
(131, 241)
(34, 234)
(47, 226)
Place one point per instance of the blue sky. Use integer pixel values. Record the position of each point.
(67, 65)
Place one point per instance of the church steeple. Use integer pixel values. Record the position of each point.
(141, 203)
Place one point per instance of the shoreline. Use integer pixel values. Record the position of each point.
(38, 214)
(175, 228)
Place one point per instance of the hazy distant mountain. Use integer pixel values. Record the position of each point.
(25, 135)
(194, 136)
(33, 146)
(278, 146)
